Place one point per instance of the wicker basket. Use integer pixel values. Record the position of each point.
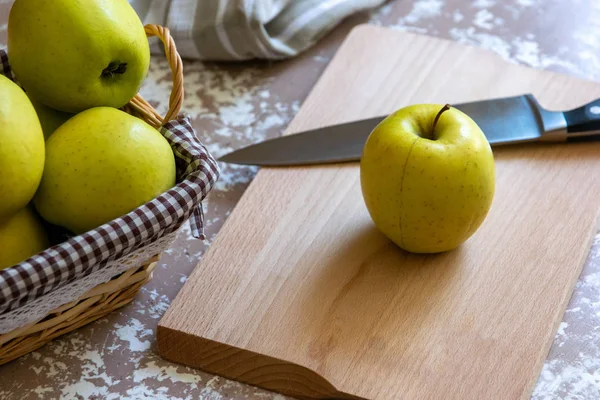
(122, 288)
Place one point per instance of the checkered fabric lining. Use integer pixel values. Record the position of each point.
(84, 254)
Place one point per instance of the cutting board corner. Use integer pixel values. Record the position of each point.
(245, 366)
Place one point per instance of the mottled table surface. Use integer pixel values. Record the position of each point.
(237, 104)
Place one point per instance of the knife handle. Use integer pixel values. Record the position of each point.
(582, 120)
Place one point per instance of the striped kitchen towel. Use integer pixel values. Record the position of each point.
(228, 30)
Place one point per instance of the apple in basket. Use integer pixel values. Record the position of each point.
(21, 165)
(100, 165)
(77, 54)
(21, 236)
(21, 149)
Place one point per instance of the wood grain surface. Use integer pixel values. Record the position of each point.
(300, 294)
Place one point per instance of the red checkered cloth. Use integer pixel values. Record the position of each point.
(84, 254)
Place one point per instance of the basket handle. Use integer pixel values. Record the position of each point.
(141, 106)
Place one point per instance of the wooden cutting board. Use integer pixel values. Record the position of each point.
(300, 294)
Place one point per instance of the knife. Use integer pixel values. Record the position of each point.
(507, 120)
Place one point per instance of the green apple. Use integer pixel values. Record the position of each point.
(76, 54)
(21, 149)
(427, 177)
(100, 165)
(21, 236)
(50, 119)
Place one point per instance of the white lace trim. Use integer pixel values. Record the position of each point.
(40, 307)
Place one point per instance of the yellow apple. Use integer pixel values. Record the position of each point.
(427, 177)
(21, 149)
(21, 236)
(100, 165)
(76, 54)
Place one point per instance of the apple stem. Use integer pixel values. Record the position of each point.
(437, 117)
(114, 68)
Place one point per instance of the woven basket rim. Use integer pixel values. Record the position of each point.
(94, 304)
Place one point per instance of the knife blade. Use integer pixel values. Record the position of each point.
(507, 120)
